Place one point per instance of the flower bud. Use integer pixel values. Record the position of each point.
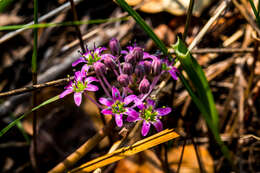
(147, 67)
(114, 46)
(130, 58)
(144, 86)
(99, 68)
(139, 71)
(123, 79)
(138, 54)
(127, 68)
(156, 66)
(109, 61)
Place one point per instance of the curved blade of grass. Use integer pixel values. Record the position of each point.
(121, 153)
(21, 129)
(206, 104)
(9, 126)
(253, 7)
(69, 23)
(256, 12)
(198, 78)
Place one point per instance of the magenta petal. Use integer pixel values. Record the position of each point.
(106, 111)
(115, 94)
(173, 74)
(105, 101)
(139, 104)
(119, 120)
(80, 60)
(69, 86)
(77, 98)
(163, 111)
(66, 92)
(129, 99)
(145, 128)
(147, 55)
(84, 70)
(132, 115)
(124, 52)
(158, 125)
(91, 87)
(78, 76)
(91, 79)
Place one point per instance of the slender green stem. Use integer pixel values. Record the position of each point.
(68, 23)
(189, 15)
(34, 81)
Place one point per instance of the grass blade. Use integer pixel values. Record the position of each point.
(69, 23)
(198, 78)
(9, 126)
(205, 104)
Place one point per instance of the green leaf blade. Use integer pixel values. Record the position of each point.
(9, 126)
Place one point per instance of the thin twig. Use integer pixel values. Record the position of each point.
(198, 155)
(181, 158)
(252, 69)
(75, 16)
(203, 31)
(36, 87)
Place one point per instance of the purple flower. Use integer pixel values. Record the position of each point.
(148, 114)
(90, 58)
(123, 80)
(156, 66)
(168, 66)
(144, 86)
(117, 106)
(78, 86)
(114, 46)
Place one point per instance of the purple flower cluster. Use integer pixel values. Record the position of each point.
(137, 73)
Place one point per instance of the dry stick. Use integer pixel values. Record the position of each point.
(36, 87)
(252, 69)
(75, 16)
(203, 31)
(64, 7)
